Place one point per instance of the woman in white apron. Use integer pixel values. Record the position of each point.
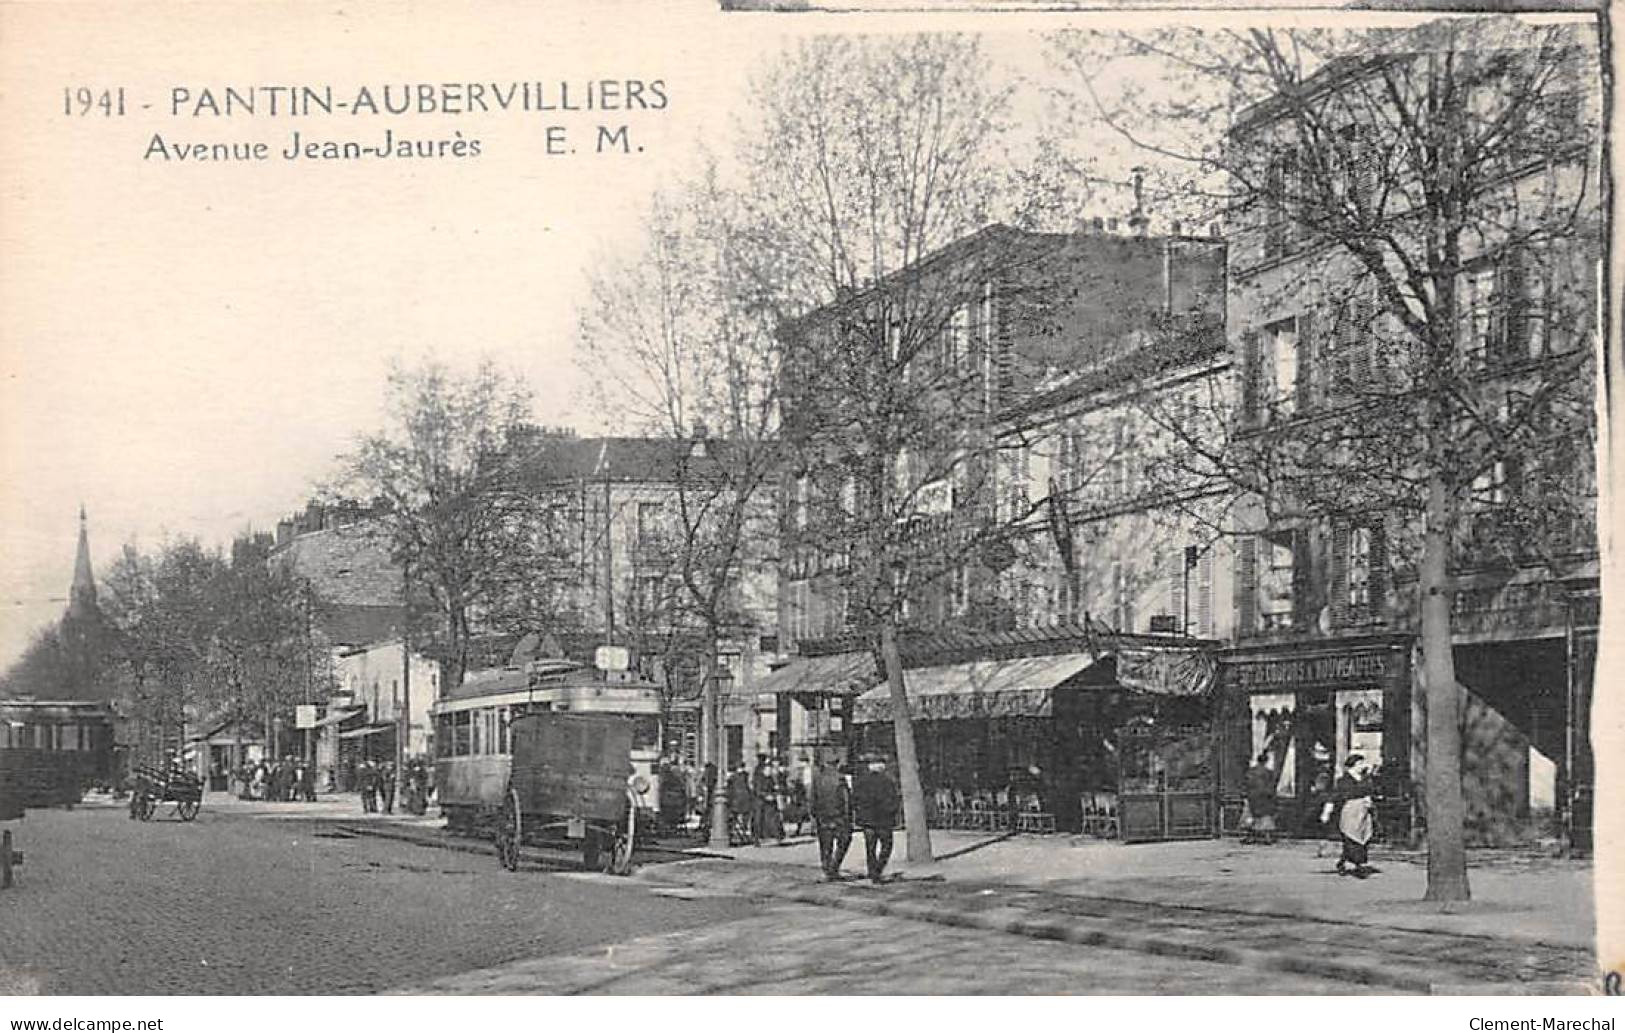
(1355, 816)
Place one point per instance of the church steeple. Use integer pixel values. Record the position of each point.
(82, 596)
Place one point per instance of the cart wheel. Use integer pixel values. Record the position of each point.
(509, 832)
(620, 856)
(188, 809)
(149, 807)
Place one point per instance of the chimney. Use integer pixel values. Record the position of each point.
(1138, 221)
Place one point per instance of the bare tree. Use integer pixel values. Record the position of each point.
(867, 158)
(670, 343)
(1434, 196)
(437, 483)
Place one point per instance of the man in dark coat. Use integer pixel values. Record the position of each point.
(875, 803)
(1260, 801)
(832, 816)
(386, 787)
(708, 791)
(366, 777)
(741, 805)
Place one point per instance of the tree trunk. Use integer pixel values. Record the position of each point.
(908, 765)
(1447, 854)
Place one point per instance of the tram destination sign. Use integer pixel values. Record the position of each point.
(1337, 669)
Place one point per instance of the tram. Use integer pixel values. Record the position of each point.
(52, 751)
(473, 726)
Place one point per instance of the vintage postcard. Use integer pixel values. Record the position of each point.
(666, 499)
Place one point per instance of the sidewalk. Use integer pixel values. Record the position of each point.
(1515, 897)
(1528, 929)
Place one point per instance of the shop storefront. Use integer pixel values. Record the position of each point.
(1308, 707)
(1078, 738)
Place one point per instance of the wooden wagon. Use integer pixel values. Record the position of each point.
(572, 781)
(151, 786)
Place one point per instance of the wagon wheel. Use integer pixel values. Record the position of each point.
(187, 809)
(149, 807)
(509, 831)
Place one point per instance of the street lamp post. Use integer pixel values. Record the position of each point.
(403, 719)
(716, 681)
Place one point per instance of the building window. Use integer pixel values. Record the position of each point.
(798, 504)
(1490, 487)
(1280, 366)
(1359, 569)
(1123, 595)
(1475, 307)
(1275, 582)
(989, 334)
(651, 525)
(958, 592)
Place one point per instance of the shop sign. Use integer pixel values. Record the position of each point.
(1320, 670)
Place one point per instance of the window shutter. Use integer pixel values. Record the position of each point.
(1379, 569)
(1512, 307)
(1340, 575)
(1251, 376)
(1367, 360)
(1302, 613)
(1204, 594)
(1305, 387)
(1176, 588)
(1246, 585)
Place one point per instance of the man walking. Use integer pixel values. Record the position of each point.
(367, 779)
(874, 806)
(386, 787)
(832, 817)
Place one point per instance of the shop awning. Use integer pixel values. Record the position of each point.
(838, 674)
(1022, 687)
(356, 733)
(337, 717)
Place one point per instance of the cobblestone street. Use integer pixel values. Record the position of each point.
(233, 904)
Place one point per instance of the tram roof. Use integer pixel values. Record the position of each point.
(538, 675)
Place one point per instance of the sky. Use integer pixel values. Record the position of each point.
(188, 346)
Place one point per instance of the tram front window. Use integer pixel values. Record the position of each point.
(646, 732)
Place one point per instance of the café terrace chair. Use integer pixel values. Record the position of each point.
(978, 817)
(1032, 818)
(1100, 815)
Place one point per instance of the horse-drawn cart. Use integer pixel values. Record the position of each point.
(572, 781)
(151, 786)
